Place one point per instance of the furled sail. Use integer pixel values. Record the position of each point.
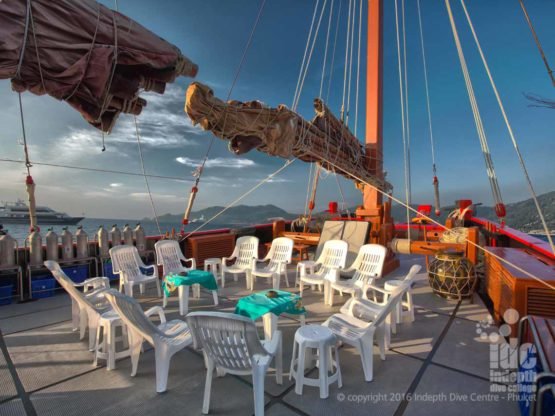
(282, 132)
(94, 58)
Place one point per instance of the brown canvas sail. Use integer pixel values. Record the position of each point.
(282, 132)
(80, 51)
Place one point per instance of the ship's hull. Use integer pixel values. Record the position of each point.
(42, 221)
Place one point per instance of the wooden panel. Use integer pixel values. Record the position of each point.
(509, 287)
(214, 245)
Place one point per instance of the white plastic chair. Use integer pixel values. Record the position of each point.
(91, 287)
(128, 264)
(278, 258)
(231, 345)
(367, 266)
(395, 286)
(91, 307)
(361, 333)
(331, 260)
(167, 338)
(246, 249)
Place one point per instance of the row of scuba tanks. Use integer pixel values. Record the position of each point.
(104, 240)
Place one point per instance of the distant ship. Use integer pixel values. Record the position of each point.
(18, 213)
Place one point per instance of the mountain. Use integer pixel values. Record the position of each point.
(238, 215)
(523, 215)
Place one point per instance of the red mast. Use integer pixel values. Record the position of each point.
(373, 209)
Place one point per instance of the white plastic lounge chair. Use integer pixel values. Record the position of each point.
(91, 306)
(361, 333)
(231, 345)
(395, 286)
(167, 338)
(91, 287)
(246, 249)
(367, 266)
(331, 260)
(128, 264)
(278, 258)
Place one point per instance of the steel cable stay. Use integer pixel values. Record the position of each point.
(510, 130)
(494, 184)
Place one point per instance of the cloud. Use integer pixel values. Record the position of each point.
(218, 162)
(143, 195)
(116, 185)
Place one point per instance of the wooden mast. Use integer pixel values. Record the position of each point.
(373, 208)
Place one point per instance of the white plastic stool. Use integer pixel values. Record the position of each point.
(400, 315)
(302, 268)
(106, 350)
(214, 265)
(322, 339)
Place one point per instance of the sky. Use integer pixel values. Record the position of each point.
(213, 33)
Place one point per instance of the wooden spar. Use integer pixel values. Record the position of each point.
(282, 132)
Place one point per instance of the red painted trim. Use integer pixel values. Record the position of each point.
(527, 240)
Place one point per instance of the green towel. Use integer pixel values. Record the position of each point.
(205, 279)
(258, 304)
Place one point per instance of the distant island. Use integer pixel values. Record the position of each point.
(520, 215)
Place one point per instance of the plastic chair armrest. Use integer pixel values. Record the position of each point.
(156, 310)
(272, 347)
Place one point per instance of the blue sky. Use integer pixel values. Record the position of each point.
(213, 34)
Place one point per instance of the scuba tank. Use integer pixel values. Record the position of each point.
(8, 247)
(51, 245)
(140, 238)
(115, 235)
(127, 235)
(35, 247)
(103, 247)
(67, 244)
(82, 243)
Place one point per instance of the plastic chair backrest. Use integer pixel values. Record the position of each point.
(281, 251)
(334, 255)
(246, 248)
(126, 260)
(368, 264)
(229, 340)
(132, 314)
(169, 256)
(412, 273)
(65, 281)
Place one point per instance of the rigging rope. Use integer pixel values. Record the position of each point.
(538, 44)
(231, 204)
(349, 15)
(358, 68)
(397, 200)
(305, 52)
(119, 172)
(145, 177)
(334, 48)
(350, 83)
(432, 146)
(200, 169)
(301, 85)
(29, 183)
(499, 206)
(326, 51)
(312, 202)
(510, 130)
